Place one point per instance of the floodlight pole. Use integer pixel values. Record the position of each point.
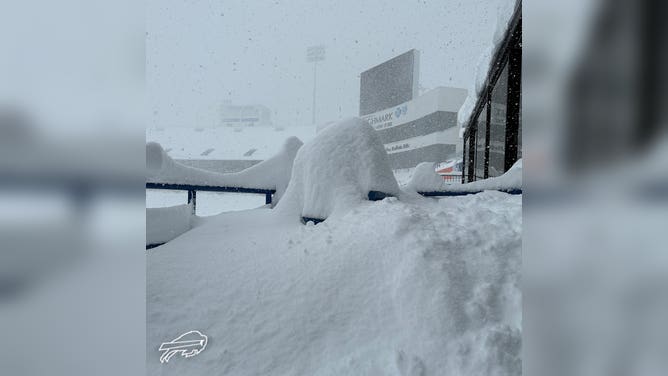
(315, 63)
(315, 54)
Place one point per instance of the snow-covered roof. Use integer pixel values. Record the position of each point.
(248, 143)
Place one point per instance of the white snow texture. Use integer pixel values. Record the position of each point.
(411, 287)
(407, 286)
(335, 171)
(165, 224)
(425, 179)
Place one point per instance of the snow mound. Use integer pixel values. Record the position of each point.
(425, 179)
(165, 224)
(272, 173)
(335, 171)
(320, 126)
(424, 175)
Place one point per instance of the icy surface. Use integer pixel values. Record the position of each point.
(165, 224)
(425, 179)
(273, 173)
(335, 171)
(411, 287)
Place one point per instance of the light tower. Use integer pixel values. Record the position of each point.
(315, 54)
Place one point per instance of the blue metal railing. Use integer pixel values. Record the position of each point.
(192, 190)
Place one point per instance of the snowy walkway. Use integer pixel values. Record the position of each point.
(413, 287)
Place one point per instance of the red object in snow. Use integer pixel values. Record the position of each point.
(445, 170)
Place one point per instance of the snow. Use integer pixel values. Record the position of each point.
(335, 171)
(511, 179)
(208, 203)
(165, 224)
(424, 176)
(320, 126)
(420, 286)
(425, 179)
(273, 173)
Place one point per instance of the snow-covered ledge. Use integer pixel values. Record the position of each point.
(425, 180)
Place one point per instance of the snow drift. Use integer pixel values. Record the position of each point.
(335, 171)
(165, 224)
(425, 179)
(272, 173)
(426, 287)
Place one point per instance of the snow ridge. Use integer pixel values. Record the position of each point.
(272, 173)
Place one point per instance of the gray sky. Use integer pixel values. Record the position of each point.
(201, 53)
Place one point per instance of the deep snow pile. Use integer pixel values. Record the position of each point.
(165, 224)
(411, 287)
(272, 173)
(335, 171)
(425, 179)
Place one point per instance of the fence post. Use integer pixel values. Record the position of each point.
(192, 197)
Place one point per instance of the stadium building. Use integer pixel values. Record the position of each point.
(244, 116)
(414, 128)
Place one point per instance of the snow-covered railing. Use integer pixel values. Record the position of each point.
(371, 196)
(269, 177)
(513, 191)
(192, 190)
(452, 178)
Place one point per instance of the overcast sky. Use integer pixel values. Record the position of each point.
(200, 54)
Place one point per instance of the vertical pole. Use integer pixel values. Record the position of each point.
(192, 197)
(514, 98)
(488, 96)
(314, 83)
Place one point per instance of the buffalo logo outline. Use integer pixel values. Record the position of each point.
(187, 344)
